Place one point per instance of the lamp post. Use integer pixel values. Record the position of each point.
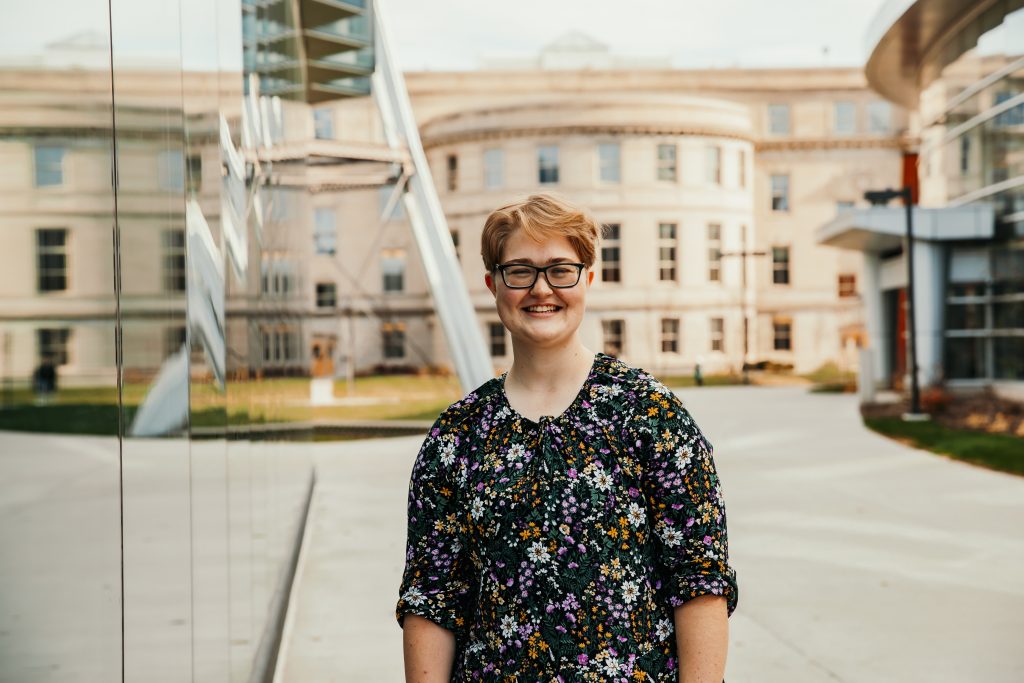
(743, 253)
(881, 198)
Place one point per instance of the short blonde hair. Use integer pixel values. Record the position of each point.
(540, 216)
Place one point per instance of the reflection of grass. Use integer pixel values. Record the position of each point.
(996, 451)
(94, 410)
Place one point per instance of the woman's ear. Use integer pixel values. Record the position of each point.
(489, 281)
(590, 277)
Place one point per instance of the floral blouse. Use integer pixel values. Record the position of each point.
(556, 550)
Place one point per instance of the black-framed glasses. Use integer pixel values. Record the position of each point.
(524, 276)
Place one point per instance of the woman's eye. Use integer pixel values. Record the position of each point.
(520, 272)
(561, 271)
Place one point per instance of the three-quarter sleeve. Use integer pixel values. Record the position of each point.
(684, 498)
(434, 584)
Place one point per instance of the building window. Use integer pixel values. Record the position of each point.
(277, 277)
(965, 154)
(452, 172)
(667, 162)
(323, 124)
(1014, 116)
(780, 192)
(611, 263)
(52, 259)
(325, 237)
(547, 164)
(393, 340)
(844, 120)
(741, 170)
(392, 267)
(714, 252)
(174, 260)
(780, 265)
(847, 285)
(171, 170)
(718, 334)
(326, 295)
(496, 333)
(778, 119)
(613, 334)
(494, 168)
(609, 159)
(384, 195)
(782, 335)
(49, 163)
(713, 166)
(53, 345)
(455, 243)
(194, 164)
(879, 117)
(667, 252)
(280, 345)
(670, 335)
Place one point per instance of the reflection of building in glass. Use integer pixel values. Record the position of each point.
(967, 89)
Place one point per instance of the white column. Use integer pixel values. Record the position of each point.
(871, 290)
(929, 299)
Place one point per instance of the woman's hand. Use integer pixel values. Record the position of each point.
(429, 651)
(702, 639)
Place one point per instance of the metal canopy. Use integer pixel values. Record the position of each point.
(884, 227)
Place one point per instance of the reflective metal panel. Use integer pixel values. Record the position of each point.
(60, 563)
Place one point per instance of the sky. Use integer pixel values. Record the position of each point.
(444, 35)
(455, 34)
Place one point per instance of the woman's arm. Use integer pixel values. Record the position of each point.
(702, 639)
(429, 651)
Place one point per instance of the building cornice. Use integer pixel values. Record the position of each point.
(481, 135)
(804, 144)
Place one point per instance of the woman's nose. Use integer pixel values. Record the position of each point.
(542, 284)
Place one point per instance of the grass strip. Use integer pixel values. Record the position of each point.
(1001, 452)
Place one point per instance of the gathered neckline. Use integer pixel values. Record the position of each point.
(598, 358)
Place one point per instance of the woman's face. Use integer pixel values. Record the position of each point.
(540, 328)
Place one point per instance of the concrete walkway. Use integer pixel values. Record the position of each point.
(858, 559)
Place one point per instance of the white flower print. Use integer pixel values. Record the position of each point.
(670, 535)
(630, 592)
(663, 629)
(602, 480)
(635, 514)
(448, 453)
(537, 552)
(517, 451)
(508, 626)
(611, 666)
(414, 597)
(683, 457)
(476, 509)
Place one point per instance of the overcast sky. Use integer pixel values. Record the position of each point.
(455, 34)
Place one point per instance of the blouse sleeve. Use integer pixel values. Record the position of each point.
(434, 584)
(684, 498)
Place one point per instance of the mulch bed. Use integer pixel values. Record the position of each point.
(983, 411)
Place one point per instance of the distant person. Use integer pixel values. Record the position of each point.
(44, 381)
(698, 375)
(566, 521)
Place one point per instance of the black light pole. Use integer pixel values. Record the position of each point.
(881, 198)
(743, 254)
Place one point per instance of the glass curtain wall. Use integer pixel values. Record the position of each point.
(152, 334)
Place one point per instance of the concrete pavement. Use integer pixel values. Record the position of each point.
(858, 559)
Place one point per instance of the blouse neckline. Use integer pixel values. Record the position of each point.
(598, 357)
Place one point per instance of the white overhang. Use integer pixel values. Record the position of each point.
(881, 228)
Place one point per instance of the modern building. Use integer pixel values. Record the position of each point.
(958, 67)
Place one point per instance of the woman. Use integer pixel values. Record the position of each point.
(565, 519)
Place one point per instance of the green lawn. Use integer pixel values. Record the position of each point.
(995, 451)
